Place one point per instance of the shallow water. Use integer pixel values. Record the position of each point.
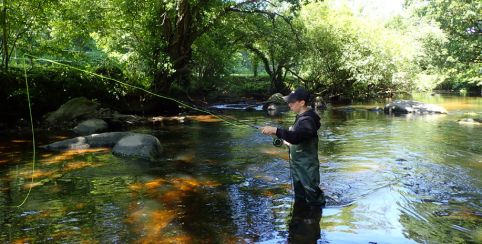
(388, 179)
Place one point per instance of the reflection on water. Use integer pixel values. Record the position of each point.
(387, 180)
(304, 226)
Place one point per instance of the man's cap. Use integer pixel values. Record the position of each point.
(298, 95)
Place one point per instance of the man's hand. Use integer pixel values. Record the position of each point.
(268, 130)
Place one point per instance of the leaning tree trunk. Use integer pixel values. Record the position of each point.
(5, 36)
(179, 32)
(180, 56)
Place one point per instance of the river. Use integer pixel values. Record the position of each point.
(388, 179)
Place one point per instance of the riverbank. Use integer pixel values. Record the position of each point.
(50, 88)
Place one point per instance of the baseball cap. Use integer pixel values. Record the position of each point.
(297, 95)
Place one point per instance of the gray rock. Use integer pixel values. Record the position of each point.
(138, 145)
(407, 106)
(275, 102)
(108, 139)
(90, 126)
(96, 140)
(73, 109)
(470, 121)
(74, 143)
(276, 98)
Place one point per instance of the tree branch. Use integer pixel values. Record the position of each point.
(262, 57)
(296, 75)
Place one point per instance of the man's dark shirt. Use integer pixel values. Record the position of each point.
(305, 126)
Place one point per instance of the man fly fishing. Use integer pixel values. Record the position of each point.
(302, 140)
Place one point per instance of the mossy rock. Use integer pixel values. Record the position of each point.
(79, 107)
(276, 98)
(275, 101)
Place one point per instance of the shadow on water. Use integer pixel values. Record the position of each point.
(388, 179)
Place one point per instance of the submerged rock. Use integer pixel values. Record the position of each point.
(124, 143)
(90, 126)
(408, 106)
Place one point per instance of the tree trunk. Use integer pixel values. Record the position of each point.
(277, 80)
(5, 36)
(180, 57)
(179, 32)
(255, 63)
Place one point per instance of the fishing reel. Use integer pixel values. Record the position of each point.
(277, 142)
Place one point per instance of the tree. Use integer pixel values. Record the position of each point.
(5, 35)
(348, 56)
(19, 20)
(214, 56)
(354, 55)
(459, 57)
(163, 33)
(274, 39)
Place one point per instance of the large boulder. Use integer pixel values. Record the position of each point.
(90, 126)
(138, 145)
(407, 106)
(276, 98)
(276, 103)
(79, 107)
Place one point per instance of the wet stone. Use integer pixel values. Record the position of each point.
(408, 106)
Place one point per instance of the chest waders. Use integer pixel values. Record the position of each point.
(305, 170)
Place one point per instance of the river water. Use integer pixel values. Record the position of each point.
(388, 179)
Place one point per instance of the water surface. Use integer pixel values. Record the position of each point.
(388, 179)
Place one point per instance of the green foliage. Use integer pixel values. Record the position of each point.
(214, 57)
(241, 87)
(275, 41)
(355, 56)
(336, 48)
(459, 58)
